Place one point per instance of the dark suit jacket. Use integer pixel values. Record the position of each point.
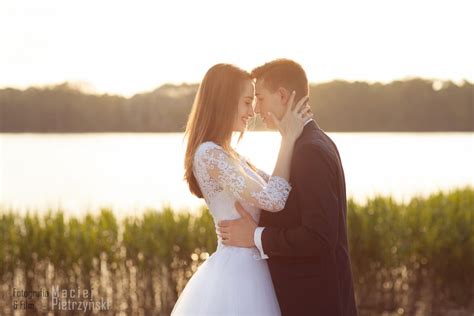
(307, 241)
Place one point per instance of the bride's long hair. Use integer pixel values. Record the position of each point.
(213, 114)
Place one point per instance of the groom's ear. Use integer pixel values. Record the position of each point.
(284, 95)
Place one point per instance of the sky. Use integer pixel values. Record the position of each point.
(128, 47)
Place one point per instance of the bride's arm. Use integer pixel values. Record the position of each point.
(230, 175)
(285, 127)
(265, 176)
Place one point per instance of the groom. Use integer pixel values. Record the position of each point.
(305, 243)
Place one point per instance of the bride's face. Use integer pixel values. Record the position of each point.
(245, 107)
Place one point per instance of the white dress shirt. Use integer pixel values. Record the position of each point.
(257, 235)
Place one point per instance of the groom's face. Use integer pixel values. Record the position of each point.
(270, 101)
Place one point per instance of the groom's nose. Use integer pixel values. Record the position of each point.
(257, 108)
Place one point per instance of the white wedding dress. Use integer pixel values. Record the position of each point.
(232, 281)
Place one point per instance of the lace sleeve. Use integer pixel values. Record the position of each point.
(230, 175)
(265, 176)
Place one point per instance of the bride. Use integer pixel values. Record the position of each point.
(232, 281)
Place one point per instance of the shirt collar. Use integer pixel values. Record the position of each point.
(306, 123)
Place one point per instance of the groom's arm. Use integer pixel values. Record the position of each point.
(316, 180)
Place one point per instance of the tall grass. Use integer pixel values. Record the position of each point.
(406, 258)
(422, 251)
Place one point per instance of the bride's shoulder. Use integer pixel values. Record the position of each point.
(207, 145)
(207, 148)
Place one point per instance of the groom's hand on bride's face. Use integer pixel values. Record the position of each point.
(238, 232)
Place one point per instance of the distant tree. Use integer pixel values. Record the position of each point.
(409, 105)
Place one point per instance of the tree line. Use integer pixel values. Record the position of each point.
(409, 105)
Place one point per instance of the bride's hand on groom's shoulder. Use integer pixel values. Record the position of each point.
(238, 232)
(292, 123)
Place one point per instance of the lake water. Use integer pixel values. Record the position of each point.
(131, 172)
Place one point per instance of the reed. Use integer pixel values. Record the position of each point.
(403, 254)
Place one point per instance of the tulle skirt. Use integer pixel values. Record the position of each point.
(230, 282)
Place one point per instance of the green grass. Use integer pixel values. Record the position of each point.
(397, 251)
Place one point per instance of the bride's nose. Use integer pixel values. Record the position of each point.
(251, 112)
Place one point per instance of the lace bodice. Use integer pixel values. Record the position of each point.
(224, 180)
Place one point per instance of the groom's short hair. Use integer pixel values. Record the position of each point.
(284, 73)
